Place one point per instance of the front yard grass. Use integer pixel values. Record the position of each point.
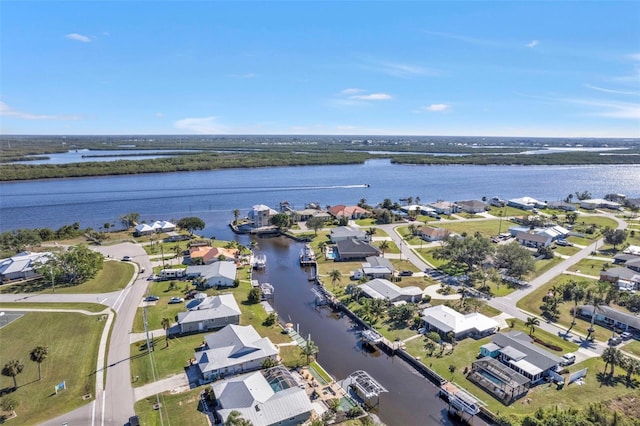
(633, 347)
(589, 267)
(182, 408)
(72, 339)
(91, 307)
(112, 277)
(487, 228)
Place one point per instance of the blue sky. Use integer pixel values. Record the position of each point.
(551, 68)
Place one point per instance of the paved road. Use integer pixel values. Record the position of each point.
(114, 404)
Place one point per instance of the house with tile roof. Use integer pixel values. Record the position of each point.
(208, 313)
(232, 350)
(264, 398)
(350, 212)
(205, 255)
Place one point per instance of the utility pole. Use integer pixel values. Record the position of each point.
(162, 254)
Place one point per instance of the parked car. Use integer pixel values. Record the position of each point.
(406, 274)
(191, 294)
(626, 335)
(564, 243)
(151, 298)
(568, 359)
(134, 421)
(176, 300)
(127, 258)
(614, 341)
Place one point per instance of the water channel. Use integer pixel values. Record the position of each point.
(411, 400)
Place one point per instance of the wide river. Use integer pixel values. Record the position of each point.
(213, 195)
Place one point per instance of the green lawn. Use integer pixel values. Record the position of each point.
(91, 307)
(566, 250)
(633, 347)
(113, 276)
(487, 228)
(508, 211)
(589, 267)
(72, 340)
(178, 409)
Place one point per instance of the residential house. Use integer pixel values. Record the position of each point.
(611, 318)
(205, 255)
(341, 233)
(526, 203)
(218, 274)
(143, 229)
(599, 203)
(533, 240)
(263, 398)
(153, 228)
(433, 234)
(562, 205)
(232, 350)
(377, 267)
(385, 289)
(352, 249)
(260, 215)
(209, 313)
(444, 207)
(472, 206)
(628, 277)
(556, 232)
(443, 320)
(516, 350)
(498, 379)
(350, 212)
(22, 266)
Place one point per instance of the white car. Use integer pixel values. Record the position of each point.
(568, 359)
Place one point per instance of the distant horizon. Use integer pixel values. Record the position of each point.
(403, 68)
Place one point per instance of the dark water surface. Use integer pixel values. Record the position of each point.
(411, 400)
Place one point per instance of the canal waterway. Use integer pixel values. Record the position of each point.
(213, 195)
(411, 400)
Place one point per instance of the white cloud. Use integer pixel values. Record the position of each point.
(372, 97)
(634, 56)
(435, 107)
(7, 111)
(203, 125)
(78, 37)
(351, 91)
(404, 70)
(619, 92)
(533, 43)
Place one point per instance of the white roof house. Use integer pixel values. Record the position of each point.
(163, 226)
(232, 350)
(597, 203)
(221, 274)
(256, 400)
(385, 289)
(555, 232)
(21, 265)
(443, 319)
(260, 215)
(526, 203)
(209, 312)
(144, 229)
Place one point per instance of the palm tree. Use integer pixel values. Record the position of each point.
(597, 299)
(532, 322)
(236, 215)
(310, 349)
(12, 369)
(254, 245)
(631, 365)
(166, 323)
(384, 245)
(430, 346)
(377, 309)
(39, 354)
(336, 276)
(322, 246)
(611, 356)
(371, 232)
(177, 250)
(235, 419)
(578, 293)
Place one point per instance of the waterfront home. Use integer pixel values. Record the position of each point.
(264, 398)
(562, 205)
(526, 203)
(472, 206)
(384, 289)
(232, 350)
(260, 215)
(156, 227)
(22, 266)
(611, 318)
(599, 203)
(341, 233)
(428, 233)
(205, 255)
(349, 212)
(498, 379)
(533, 240)
(443, 320)
(352, 249)
(209, 312)
(143, 229)
(377, 267)
(516, 350)
(218, 274)
(444, 207)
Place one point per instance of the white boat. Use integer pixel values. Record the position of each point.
(260, 261)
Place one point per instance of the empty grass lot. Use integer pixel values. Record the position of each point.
(72, 340)
(487, 228)
(179, 409)
(112, 277)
